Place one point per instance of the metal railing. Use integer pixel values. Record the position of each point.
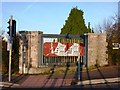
(56, 38)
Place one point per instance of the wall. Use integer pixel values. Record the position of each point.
(30, 52)
(97, 47)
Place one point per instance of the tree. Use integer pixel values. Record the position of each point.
(112, 28)
(105, 26)
(113, 35)
(92, 30)
(15, 56)
(5, 57)
(75, 23)
(89, 29)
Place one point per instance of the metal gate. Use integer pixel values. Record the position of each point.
(60, 49)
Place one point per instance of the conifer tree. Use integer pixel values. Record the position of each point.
(75, 23)
(89, 29)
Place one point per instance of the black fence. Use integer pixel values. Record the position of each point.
(61, 60)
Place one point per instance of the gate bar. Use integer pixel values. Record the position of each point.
(62, 36)
(69, 36)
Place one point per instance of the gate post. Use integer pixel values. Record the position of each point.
(41, 50)
(23, 60)
(86, 50)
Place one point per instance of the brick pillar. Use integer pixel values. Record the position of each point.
(22, 60)
(34, 48)
(92, 49)
(97, 47)
(32, 51)
(20, 57)
(102, 48)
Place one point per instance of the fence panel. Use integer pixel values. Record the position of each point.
(61, 49)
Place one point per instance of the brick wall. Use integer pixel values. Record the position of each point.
(32, 51)
(97, 47)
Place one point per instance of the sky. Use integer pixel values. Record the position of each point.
(49, 17)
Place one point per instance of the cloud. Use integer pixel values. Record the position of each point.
(28, 7)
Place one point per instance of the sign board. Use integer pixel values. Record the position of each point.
(116, 45)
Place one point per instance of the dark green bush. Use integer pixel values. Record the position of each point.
(15, 56)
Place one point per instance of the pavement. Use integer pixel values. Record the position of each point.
(105, 75)
(8, 84)
(86, 82)
(99, 81)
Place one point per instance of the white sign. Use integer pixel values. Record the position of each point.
(116, 45)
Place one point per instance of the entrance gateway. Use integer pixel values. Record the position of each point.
(38, 49)
(60, 49)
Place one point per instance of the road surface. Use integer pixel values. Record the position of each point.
(66, 80)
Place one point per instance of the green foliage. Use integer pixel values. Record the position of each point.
(5, 57)
(113, 54)
(89, 29)
(15, 57)
(92, 30)
(75, 23)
